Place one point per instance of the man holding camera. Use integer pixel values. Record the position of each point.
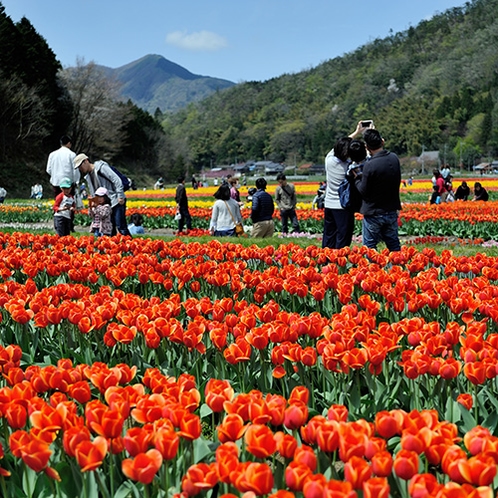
(379, 188)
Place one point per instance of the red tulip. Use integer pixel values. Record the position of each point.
(406, 464)
(296, 415)
(143, 467)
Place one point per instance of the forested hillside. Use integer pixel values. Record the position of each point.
(40, 101)
(433, 86)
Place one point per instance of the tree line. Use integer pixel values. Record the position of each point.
(431, 87)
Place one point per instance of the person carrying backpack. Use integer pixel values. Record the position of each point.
(101, 174)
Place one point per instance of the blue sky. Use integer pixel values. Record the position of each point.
(237, 40)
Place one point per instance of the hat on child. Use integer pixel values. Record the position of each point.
(101, 191)
(65, 183)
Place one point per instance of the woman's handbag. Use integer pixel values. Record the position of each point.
(239, 227)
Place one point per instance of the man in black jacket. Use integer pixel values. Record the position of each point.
(379, 188)
(182, 206)
(262, 211)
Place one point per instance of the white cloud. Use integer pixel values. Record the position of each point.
(200, 41)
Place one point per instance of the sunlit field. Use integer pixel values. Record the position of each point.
(195, 366)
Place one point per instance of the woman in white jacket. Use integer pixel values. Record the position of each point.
(226, 213)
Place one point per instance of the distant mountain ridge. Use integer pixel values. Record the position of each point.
(153, 82)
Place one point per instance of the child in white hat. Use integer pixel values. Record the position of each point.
(64, 206)
(99, 208)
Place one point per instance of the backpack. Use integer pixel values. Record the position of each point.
(320, 202)
(349, 197)
(124, 179)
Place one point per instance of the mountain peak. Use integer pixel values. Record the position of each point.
(153, 82)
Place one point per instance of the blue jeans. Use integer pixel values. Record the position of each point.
(338, 227)
(118, 219)
(285, 216)
(381, 227)
(225, 233)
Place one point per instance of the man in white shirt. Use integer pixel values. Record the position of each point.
(60, 165)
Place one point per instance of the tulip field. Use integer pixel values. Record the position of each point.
(166, 367)
(464, 220)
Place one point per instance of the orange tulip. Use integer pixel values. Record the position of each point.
(91, 454)
(382, 464)
(339, 489)
(227, 458)
(423, 486)
(295, 475)
(257, 477)
(286, 444)
(190, 426)
(327, 435)
(143, 467)
(306, 456)
(276, 408)
(376, 487)
(314, 485)
(352, 442)
(338, 413)
(475, 372)
(232, 428)
(479, 439)
(72, 437)
(137, 440)
(388, 424)
(466, 400)
(16, 414)
(167, 442)
(308, 431)
(217, 392)
(482, 470)
(415, 439)
(299, 393)
(199, 477)
(36, 454)
(357, 471)
(260, 441)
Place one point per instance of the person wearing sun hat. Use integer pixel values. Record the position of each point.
(101, 174)
(64, 207)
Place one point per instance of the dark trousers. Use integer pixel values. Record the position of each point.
(338, 227)
(185, 220)
(118, 219)
(285, 216)
(62, 225)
